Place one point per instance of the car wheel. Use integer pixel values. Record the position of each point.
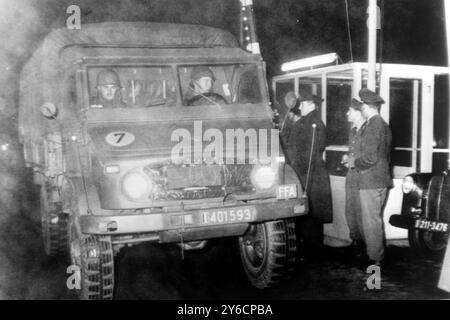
(268, 252)
(427, 244)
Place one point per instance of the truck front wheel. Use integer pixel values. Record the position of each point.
(268, 252)
(94, 259)
(427, 244)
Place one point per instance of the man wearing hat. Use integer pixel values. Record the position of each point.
(371, 161)
(108, 90)
(352, 199)
(308, 142)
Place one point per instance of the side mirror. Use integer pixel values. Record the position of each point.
(290, 100)
(49, 110)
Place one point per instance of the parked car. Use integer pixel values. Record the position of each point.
(426, 213)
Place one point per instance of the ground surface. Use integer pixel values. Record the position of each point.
(157, 272)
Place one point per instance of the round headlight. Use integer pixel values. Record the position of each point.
(263, 177)
(136, 186)
(408, 184)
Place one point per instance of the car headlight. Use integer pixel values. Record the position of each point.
(408, 184)
(137, 186)
(263, 177)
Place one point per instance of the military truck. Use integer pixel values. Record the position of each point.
(139, 170)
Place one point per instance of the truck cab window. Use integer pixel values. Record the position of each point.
(219, 84)
(131, 87)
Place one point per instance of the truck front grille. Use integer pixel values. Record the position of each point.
(200, 181)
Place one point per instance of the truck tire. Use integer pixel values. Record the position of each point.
(54, 226)
(268, 252)
(427, 244)
(93, 256)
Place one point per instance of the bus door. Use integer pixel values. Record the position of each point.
(404, 95)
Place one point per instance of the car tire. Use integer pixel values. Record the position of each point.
(268, 252)
(427, 244)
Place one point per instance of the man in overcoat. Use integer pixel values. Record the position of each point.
(308, 142)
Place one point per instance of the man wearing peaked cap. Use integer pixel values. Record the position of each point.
(369, 97)
(352, 198)
(371, 161)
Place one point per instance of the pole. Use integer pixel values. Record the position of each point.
(313, 142)
(372, 50)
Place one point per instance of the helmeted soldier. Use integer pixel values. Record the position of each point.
(202, 83)
(108, 90)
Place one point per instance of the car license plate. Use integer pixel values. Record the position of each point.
(229, 215)
(287, 191)
(431, 225)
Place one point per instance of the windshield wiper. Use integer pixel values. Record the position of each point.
(156, 103)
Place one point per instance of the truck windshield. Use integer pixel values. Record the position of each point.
(141, 87)
(148, 86)
(219, 84)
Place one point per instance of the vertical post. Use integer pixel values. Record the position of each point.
(372, 48)
(249, 40)
(444, 280)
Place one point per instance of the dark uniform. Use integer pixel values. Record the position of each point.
(372, 165)
(288, 138)
(352, 200)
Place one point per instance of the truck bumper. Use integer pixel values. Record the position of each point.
(225, 221)
(402, 221)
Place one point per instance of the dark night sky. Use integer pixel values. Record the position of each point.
(413, 30)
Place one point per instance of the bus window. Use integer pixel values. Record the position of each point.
(440, 123)
(310, 85)
(405, 105)
(339, 95)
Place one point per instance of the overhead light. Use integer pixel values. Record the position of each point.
(309, 62)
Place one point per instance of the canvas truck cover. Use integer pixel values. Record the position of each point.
(45, 59)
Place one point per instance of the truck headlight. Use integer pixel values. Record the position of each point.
(263, 177)
(137, 186)
(408, 184)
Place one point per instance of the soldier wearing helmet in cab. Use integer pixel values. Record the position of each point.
(108, 90)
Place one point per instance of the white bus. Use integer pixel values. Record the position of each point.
(416, 110)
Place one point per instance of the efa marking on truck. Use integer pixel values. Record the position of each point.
(119, 138)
